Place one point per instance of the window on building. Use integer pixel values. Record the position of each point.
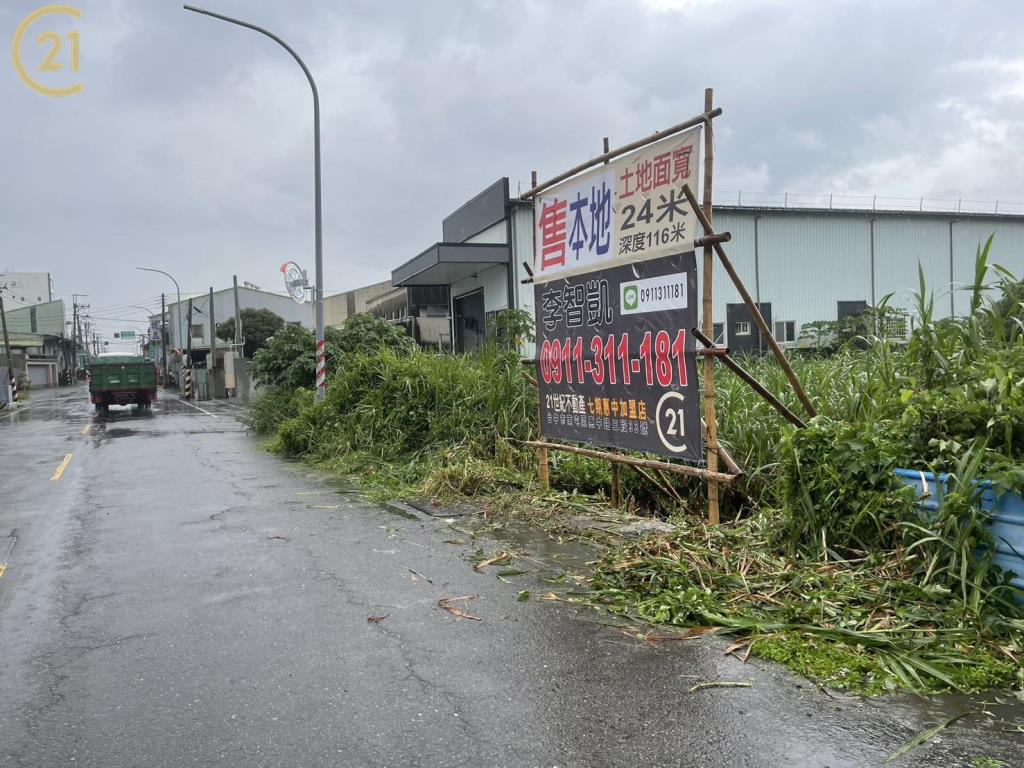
(742, 328)
(718, 333)
(197, 331)
(785, 330)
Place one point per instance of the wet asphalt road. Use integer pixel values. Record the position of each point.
(179, 597)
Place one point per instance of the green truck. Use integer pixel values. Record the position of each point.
(121, 380)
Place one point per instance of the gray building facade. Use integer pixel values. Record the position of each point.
(808, 264)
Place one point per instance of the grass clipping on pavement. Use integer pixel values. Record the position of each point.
(862, 626)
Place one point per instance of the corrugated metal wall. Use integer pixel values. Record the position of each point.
(806, 262)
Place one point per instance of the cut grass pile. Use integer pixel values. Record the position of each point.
(866, 625)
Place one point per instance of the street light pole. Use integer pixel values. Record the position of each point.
(318, 300)
(150, 269)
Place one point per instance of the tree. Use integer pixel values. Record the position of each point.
(367, 334)
(511, 328)
(257, 326)
(289, 358)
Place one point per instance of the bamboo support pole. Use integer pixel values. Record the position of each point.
(723, 454)
(704, 119)
(753, 383)
(543, 465)
(710, 418)
(680, 469)
(616, 485)
(759, 321)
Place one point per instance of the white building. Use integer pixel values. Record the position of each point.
(479, 260)
(803, 265)
(800, 264)
(224, 308)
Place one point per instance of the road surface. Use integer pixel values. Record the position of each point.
(173, 595)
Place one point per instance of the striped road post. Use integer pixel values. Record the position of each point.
(321, 367)
(14, 389)
(187, 379)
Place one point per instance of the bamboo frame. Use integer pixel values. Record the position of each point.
(710, 241)
(754, 384)
(618, 458)
(702, 119)
(543, 464)
(710, 419)
(759, 321)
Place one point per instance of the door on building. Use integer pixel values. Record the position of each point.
(469, 321)
(38, 376)
(743, 334)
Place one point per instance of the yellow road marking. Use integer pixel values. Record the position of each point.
(62, 466)
(86, 428)
(3, 569)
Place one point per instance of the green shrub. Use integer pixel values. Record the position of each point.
(275, 406)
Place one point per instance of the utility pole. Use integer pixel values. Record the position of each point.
(163, 334)
(211, 363)
(188, 368)
(318, 293)
(74, 337)
(238, 314)
(7, 342)
(238, 348)
(188, 333)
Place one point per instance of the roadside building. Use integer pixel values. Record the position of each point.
(478, 264)
(803, 264)
(180, 330)
(223, 308)
(423, 310)
(341, 306)
(807, 264)
(41, 344)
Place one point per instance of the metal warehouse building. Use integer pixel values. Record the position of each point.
(801, 264)
(807, 264)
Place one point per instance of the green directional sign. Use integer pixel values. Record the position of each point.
(130, 335)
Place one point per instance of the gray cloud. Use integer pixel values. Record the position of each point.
(189, 149)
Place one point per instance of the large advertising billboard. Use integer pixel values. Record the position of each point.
(615, 290)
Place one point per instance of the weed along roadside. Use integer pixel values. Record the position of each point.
(793, 535)
(826, 564)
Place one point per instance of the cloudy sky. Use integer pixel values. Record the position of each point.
(189, 148)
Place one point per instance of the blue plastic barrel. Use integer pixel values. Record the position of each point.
(1006, 510)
